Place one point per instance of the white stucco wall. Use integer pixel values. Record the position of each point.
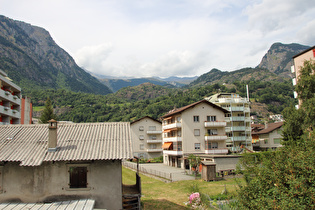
(49, 182)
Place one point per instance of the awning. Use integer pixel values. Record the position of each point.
(166, 145)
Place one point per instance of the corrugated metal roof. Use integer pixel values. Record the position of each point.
(83, 204)
(28, 144)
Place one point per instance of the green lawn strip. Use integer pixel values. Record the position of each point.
(38, 108)
(157, 194)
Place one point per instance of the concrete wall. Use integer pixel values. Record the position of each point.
(275, 134)
(50, 182)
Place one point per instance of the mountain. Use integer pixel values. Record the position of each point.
(30, 57)
(117, 84)
(278, 59)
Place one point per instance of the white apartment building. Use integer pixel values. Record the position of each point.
(198, 128)
(238, 128)
(146, 134)
(298, 62)
(10, 101)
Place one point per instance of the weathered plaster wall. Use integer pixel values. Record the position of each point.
(49, 182)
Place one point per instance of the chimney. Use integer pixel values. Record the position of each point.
(52, 136)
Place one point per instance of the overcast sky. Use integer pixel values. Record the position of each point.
(142, 38)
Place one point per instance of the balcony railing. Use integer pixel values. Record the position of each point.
(172, 139)
(154, 150)
(151, 141)
(9, 97)
(215, 138)
(215, 124)
(172, 152)
(153, 132)
(173, 125)
(216, 151)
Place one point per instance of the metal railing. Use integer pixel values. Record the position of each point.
(153, 172)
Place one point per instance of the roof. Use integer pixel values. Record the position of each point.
(304, 51)
(271, 127)
(182, 109)
(86, 204)
(28, 144)
(144, 118)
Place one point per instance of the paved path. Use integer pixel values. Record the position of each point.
(177, 174)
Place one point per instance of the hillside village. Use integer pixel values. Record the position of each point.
(74, 165)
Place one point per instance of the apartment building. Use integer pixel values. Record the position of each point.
(238, 128)
(10, 101)
(146, 135)
(198, 128)
(298, 62)
(267, 137)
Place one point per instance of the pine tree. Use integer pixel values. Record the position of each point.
(48, 112)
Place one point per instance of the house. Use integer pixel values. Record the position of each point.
(268, 137)
(198, 128)
(238, 128)
(48, 163)
(13, 108)
(146, 134)
(298, 62)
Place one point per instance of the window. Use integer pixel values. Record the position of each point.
(152, 128)
(152, 137)
(212, 132)
(196, 118)
(141, 128)
(266, 141)
(141, 137)
(141, 146)
(178, 119)
(197, 146)
(212, 145)
(153, 146)
(211, 118)
(78, 176)
(276, 141)
(197, 132)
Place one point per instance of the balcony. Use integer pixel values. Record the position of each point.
(172, 139)
(239, 138)
(9, 97)
(172, 126)
(215, 138)
(172, 152)
(154, 132)
(216, 151)
(154, 150)
(215, 124)
(151, 141)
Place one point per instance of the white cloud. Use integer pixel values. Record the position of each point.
(166, 38)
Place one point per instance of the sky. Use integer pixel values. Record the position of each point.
(163, 38)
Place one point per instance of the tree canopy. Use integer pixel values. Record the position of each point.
(285, 178)
(48, 112)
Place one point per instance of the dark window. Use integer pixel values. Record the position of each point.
(196, 118)
(78, 177)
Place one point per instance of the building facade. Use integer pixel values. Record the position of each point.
(198, 128)
(238, 128)
(146, 135)
(298, 62)
(10, 101)
(267, 137)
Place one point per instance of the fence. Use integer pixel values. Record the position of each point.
(153, 172)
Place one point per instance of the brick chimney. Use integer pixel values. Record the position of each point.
(52, 136)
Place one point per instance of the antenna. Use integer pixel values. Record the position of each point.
(247, 93)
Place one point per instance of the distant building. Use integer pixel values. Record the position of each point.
(198, 128)
(146, 135)
(268, 136)
(238, 128)
(298, 62)
(13, 108)
(276, 117)
(76, 161)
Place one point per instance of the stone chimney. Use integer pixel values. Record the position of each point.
(52, 136)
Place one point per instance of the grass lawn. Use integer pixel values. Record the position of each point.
(38, 108)
(157, 194)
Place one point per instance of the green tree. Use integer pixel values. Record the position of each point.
(194, 162)
(48, 112)
(285, 178)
